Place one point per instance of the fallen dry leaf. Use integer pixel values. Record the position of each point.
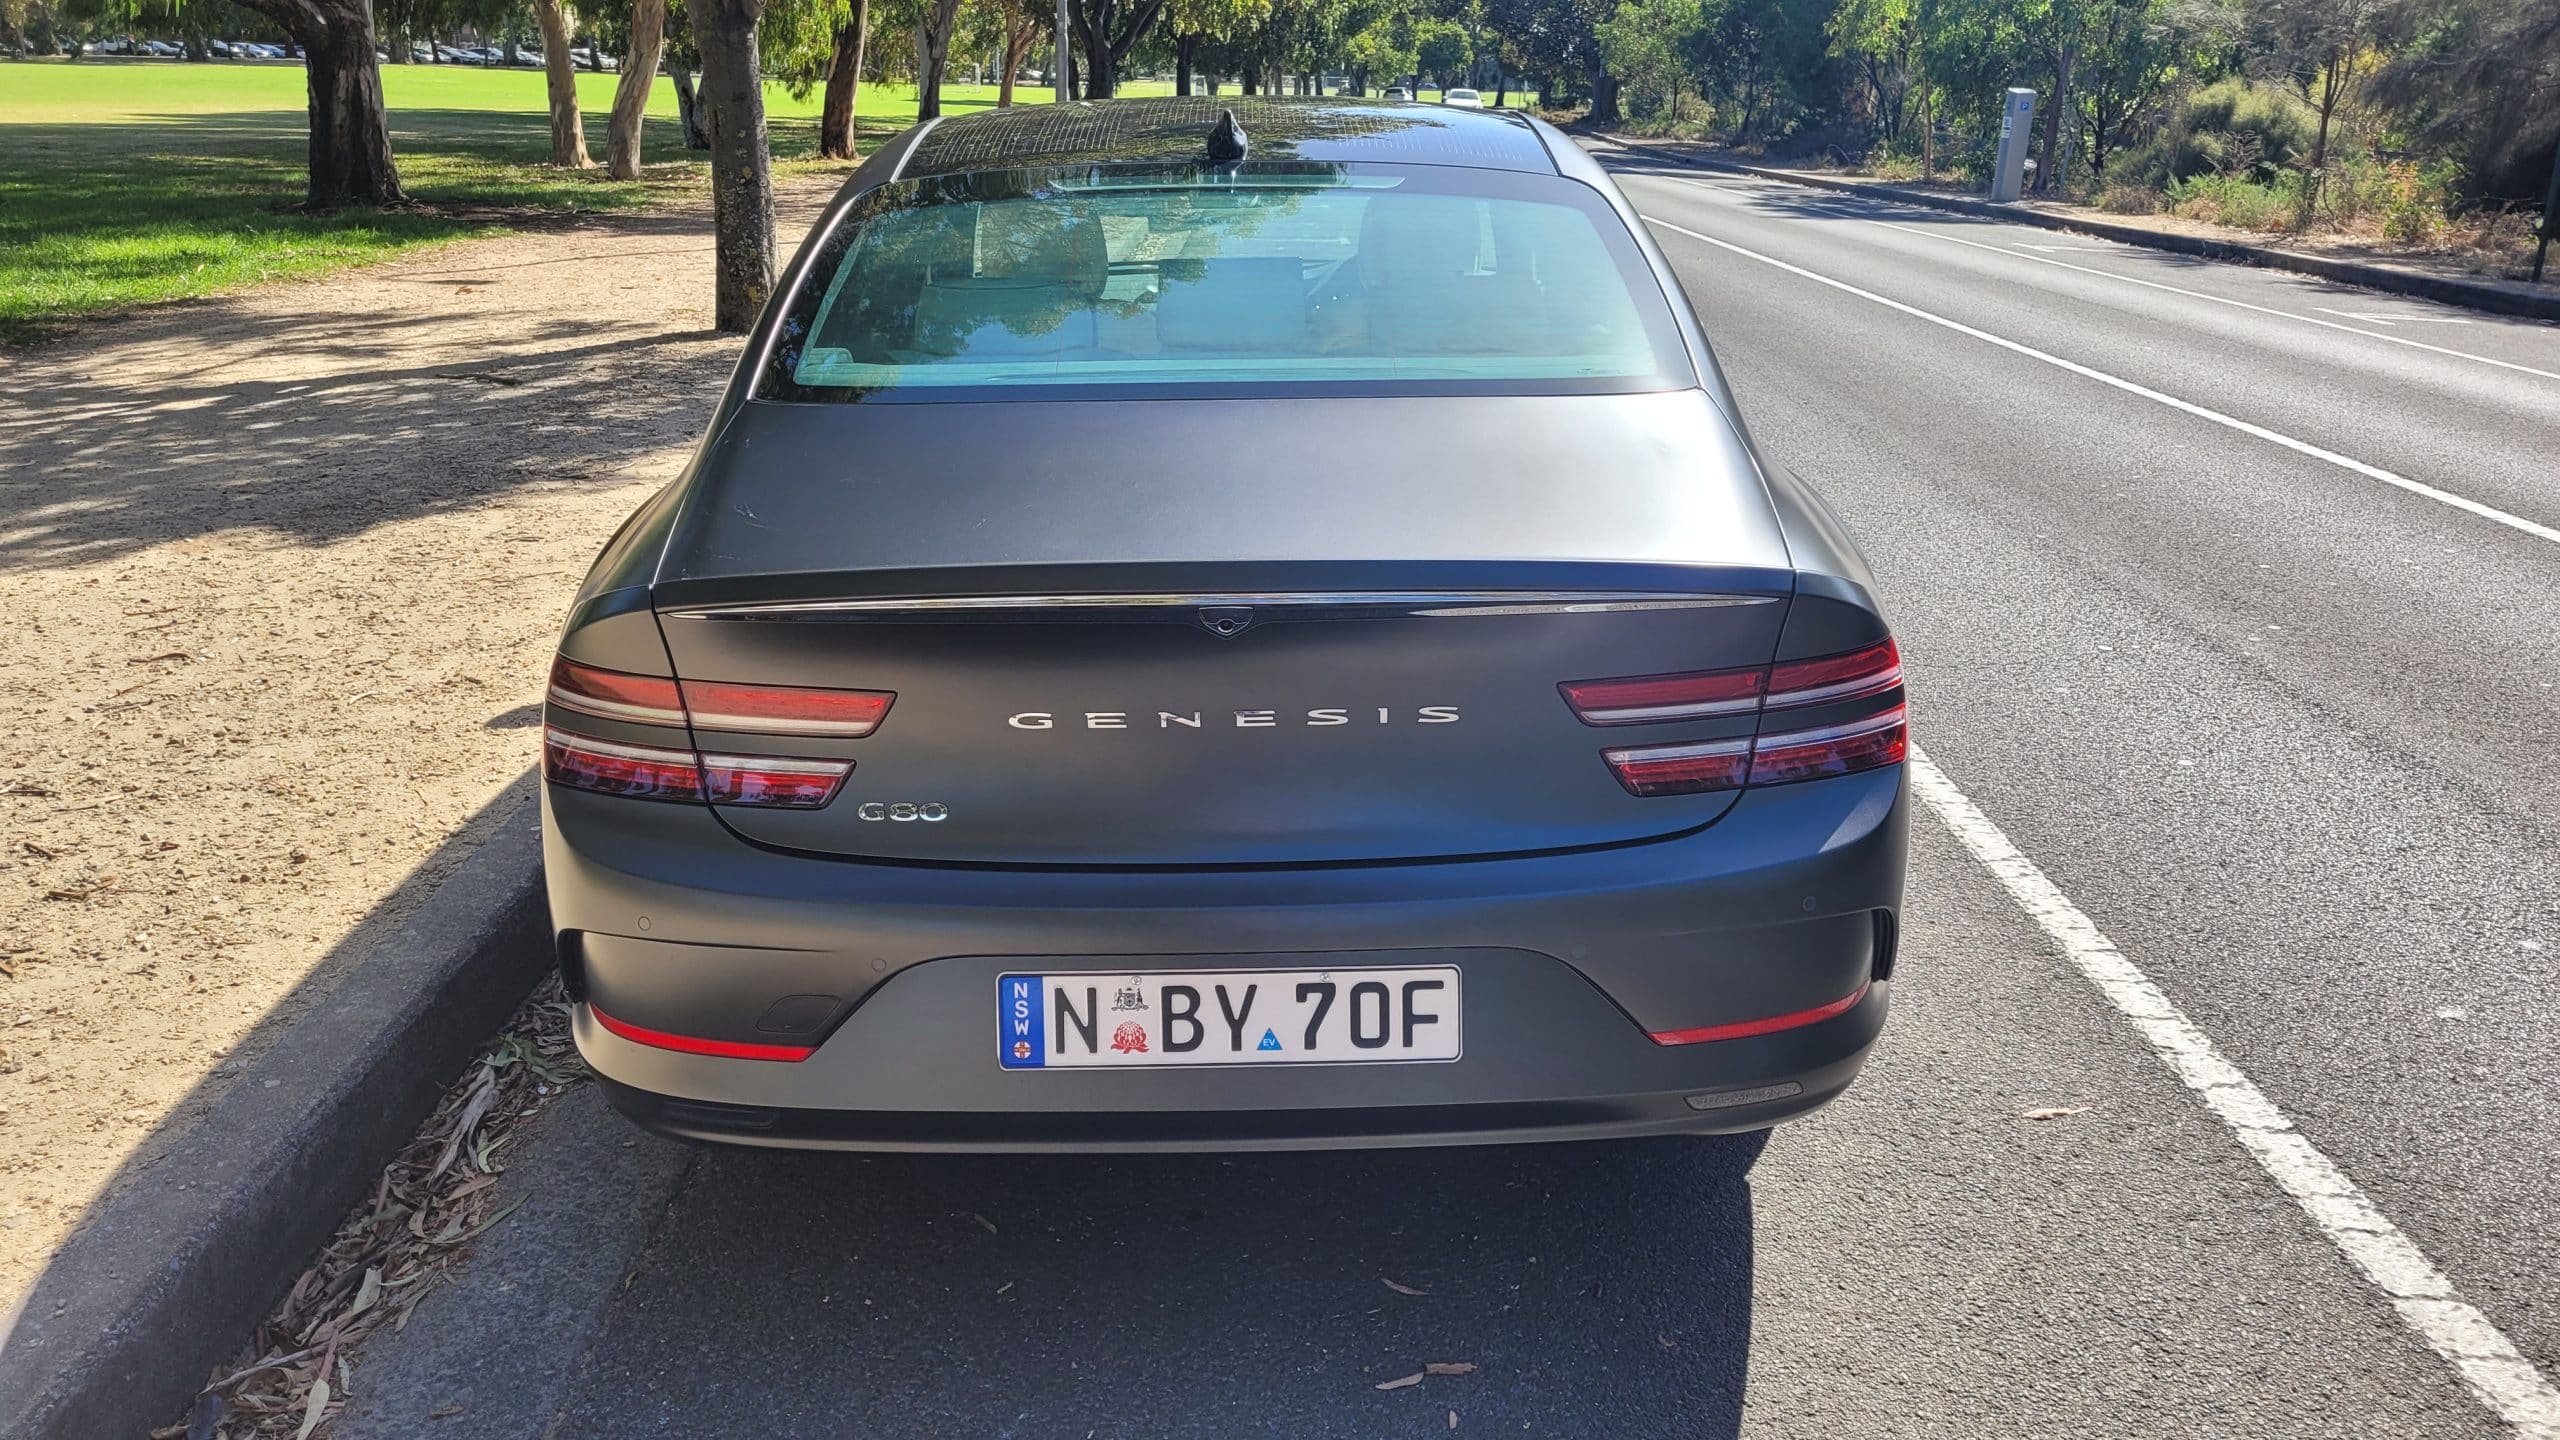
(1401, 1382)
(1450, 1367)
(1401, 1289)
(2057, 1112)
(1453, 1419)
(981, 1219)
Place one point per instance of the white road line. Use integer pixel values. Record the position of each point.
(1846, 211)
(2302, 447)
(2477, 1350)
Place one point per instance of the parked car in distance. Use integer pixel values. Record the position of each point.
(1462, 99)
(1398, 92)
(1525, 762)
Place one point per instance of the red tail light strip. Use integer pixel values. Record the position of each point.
(1871, 671)
(694, 1045)
(785, 709)
(771, 781)
(638, 772)
(1770, 1025)
(613, 695)
(1650, 698)
(1682, 769)
(645, 772)
(1869, 744)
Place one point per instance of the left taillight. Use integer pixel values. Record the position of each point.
(671, 768)
(1857, 694)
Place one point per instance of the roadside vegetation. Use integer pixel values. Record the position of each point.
(135, 181)
(2415, 124)
(2419, 124)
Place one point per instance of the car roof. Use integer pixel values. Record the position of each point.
(1176, 128)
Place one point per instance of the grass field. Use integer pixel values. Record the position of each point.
(124, 182)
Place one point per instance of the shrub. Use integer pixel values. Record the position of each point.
(2120, 198)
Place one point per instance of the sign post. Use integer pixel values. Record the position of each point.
(2017, 124)
(2550, 216)
(1058, 71)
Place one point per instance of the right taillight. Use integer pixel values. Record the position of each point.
(674, 770)
(1867, 680)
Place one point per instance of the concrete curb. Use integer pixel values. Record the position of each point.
(2469, 294)
(167, 1277)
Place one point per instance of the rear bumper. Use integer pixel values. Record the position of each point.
(886, 975)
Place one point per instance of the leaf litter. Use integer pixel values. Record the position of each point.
(1436, 1367)
(428, 1205)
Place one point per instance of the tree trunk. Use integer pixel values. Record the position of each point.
(724, 31)
(350, 141)
(1017, 43)
(1245, 82)
(631, 89)
(1101, 75)
(1182, 48)
(1604, 96)
(838, 133)
(933, 47)
(560, 75)
(2046, 176)
(689, 111)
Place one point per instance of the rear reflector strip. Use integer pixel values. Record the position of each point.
(613, 695)
(694, 1045)
(1770, 1025)
(1682, 769)
(1869, 744)
(785, 709)
(644, 772)
(1691, 769)
(1871, 671)
(638, 772)
(772, 782)
(1648, 698)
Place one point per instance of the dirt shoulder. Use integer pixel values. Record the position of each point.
(2471, 266)
(282, 572)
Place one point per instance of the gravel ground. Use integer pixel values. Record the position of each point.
(282, 572)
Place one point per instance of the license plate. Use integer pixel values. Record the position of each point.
(1096, 1020)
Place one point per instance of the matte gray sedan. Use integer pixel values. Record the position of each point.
(1207, 631)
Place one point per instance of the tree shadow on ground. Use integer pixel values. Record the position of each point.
(1599, 1289)
(307, 413)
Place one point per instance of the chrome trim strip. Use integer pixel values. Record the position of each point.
(1639, 754)
(571, 739)
(1849, 689)
(613, 709)
(1428, 602)
(1896, 718)
(778, 765)
(774, 725)
(1647, 714)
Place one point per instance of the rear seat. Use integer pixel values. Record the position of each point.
(1248, 305)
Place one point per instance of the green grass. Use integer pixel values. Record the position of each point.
(124, 182)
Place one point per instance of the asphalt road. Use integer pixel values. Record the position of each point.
(2229, 598)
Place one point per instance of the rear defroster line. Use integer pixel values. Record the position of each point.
(2478, 1351)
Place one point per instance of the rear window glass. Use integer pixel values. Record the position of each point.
(1378, 279)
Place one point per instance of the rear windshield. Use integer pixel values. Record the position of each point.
(1305, 279)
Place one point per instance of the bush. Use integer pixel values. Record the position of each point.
(2230, 127)
(2238, 201)
(2120, 198)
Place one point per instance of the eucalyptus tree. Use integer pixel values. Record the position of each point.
(726, 33)
(647, 41)
(1106, 31)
